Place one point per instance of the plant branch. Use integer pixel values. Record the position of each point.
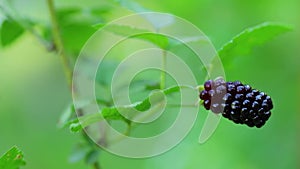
(61, 50)
(59, 43)
(163, 73)
(128, 130)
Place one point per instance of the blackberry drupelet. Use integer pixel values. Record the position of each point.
(237, 102)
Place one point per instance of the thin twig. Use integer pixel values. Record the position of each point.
(61, 50)
(163, 71)
(59, 43)
(128, 130)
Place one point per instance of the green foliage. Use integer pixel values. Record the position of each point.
(240, 45)
(66, 116)
(133, 32)
(158, 21)
(75, 35)
(160, 40)
(131, 5)
(113, 113)
(244, 42)
(86, 151)
(13, 159)
(79, 152)
(10, 31)
(92, 157)
(76, 25)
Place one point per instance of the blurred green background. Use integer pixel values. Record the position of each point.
(33, 91)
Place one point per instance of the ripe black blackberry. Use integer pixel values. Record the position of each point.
(237, 102)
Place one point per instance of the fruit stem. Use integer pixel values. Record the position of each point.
(200, 88)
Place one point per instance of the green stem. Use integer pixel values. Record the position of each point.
(59, 43)
(61, 50)
(163, 69)
(96, 164)
(128, 130)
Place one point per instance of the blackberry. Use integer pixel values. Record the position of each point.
(237, 102)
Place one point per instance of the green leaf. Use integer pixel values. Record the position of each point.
(131, 5)
(160, 40)
(138, 33)
(75, 35)
(75, 25)
(13, 159)
(72, 15)
(157, 20)
(105, 72)
(64, 13)
(86, 151)
(112, 113)
(157, 39)
(67, 116)
(185, 40)
(92, 157)
(10, 31)
(79, 152)
(98, 25)
(100, 11)
(152, 86)
(243, 43)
